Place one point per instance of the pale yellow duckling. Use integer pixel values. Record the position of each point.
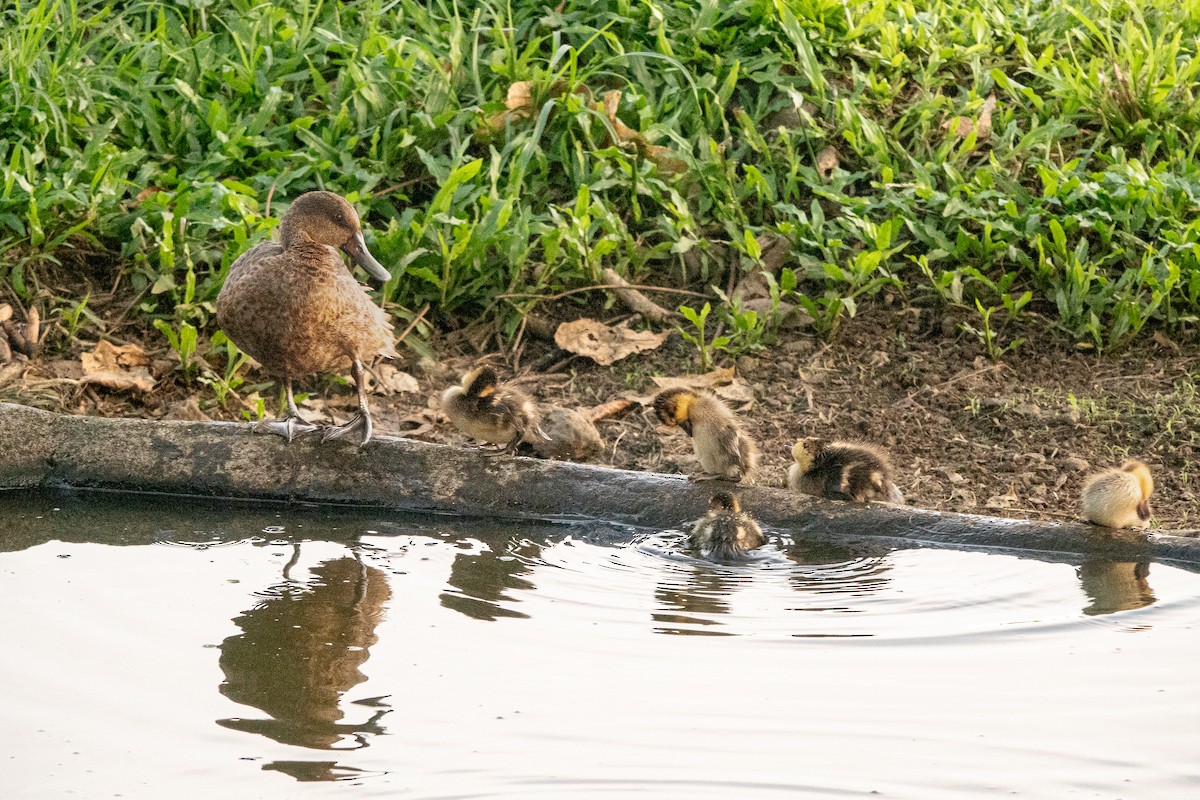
(723, 449)
(1119, 498)
(726, 531)
(488, 412)
(843, 471)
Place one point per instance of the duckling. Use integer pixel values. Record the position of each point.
(724, 450)
(295, 308)
(488, 412)
(842, 471)
(1119, 498)
(726, 531)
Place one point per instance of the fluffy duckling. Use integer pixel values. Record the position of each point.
(842, 471)
(1119, 498)
(295, 308)
(570, 435)
(488, 412)
(724, 450)
(725, 532)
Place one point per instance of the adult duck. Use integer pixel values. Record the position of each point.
(297, 310)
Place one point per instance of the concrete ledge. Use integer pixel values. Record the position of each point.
(39, 448)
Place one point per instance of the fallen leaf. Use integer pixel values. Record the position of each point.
(827, 162)
(602, 343)
(188, 409)
(980, 126)
(717, 377)
(388, 380)
(610, 409)
(661, 156)
(118, 368)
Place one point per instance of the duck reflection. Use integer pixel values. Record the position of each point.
(693, 597)
(1115, 585)
(300, 650)
(481, 579)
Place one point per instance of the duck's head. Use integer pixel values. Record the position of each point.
(480, 382)
(805, 452)
(674, 407)
(1139, 470)
(326, 218)
(725, 501)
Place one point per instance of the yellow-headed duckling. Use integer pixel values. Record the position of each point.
(842, 471)
(488, 412)
(726, 531)
(295, 308)
(724, 450)
(1119, 498)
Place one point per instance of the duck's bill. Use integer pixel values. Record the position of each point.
(356, 248)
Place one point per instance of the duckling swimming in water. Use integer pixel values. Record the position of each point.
(842, 471)
(488, 412)
(723, 449)
(295, 308)
(1119, 498)
(726, 531)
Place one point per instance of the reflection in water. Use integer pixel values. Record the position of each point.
(481, 577)
(300, 650)
(1115, 585)
(692, 597)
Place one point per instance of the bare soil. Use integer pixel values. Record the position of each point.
(1014, 438)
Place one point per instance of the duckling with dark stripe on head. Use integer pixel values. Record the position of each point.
(488, 412)
(725, 532)
(843, 471)
(723, 449)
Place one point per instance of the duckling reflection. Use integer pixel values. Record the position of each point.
(301, 650)
(481, 579)
(1115, 585)
(695, 597)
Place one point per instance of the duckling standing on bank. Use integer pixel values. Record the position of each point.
(488, 412)
(1119, 498)
(842, 471)
(724, 450)
(296, 309)
(726, 531)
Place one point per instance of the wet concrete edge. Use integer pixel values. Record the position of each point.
(40, 448)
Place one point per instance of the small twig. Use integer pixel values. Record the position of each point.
(394, 187)
(413, 324)
(561, 295)
(270, 194)
(635, 300)
(946, 383)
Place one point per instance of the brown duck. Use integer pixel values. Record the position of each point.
(297, 310)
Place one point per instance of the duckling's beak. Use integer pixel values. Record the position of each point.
(1143, 510)
(356, 248)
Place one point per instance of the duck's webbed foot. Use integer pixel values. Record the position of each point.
(289, 427)
(359, 427)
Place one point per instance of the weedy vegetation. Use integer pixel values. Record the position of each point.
(1007, 157)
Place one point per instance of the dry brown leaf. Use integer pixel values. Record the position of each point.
(661, 156)
(981, 125)
(827, 162)
(717, 377)
(602, 343)
(610, 409)
(119, 368)
(5, 312)
(388, 380)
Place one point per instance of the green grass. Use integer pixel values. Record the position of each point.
(146, 137)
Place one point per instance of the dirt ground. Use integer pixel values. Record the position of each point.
(1010, 439)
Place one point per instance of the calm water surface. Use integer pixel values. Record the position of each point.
(163, 649)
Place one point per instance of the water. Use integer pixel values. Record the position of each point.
(157, 648)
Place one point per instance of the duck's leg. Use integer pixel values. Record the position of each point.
(361, 423)
(292, 425)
